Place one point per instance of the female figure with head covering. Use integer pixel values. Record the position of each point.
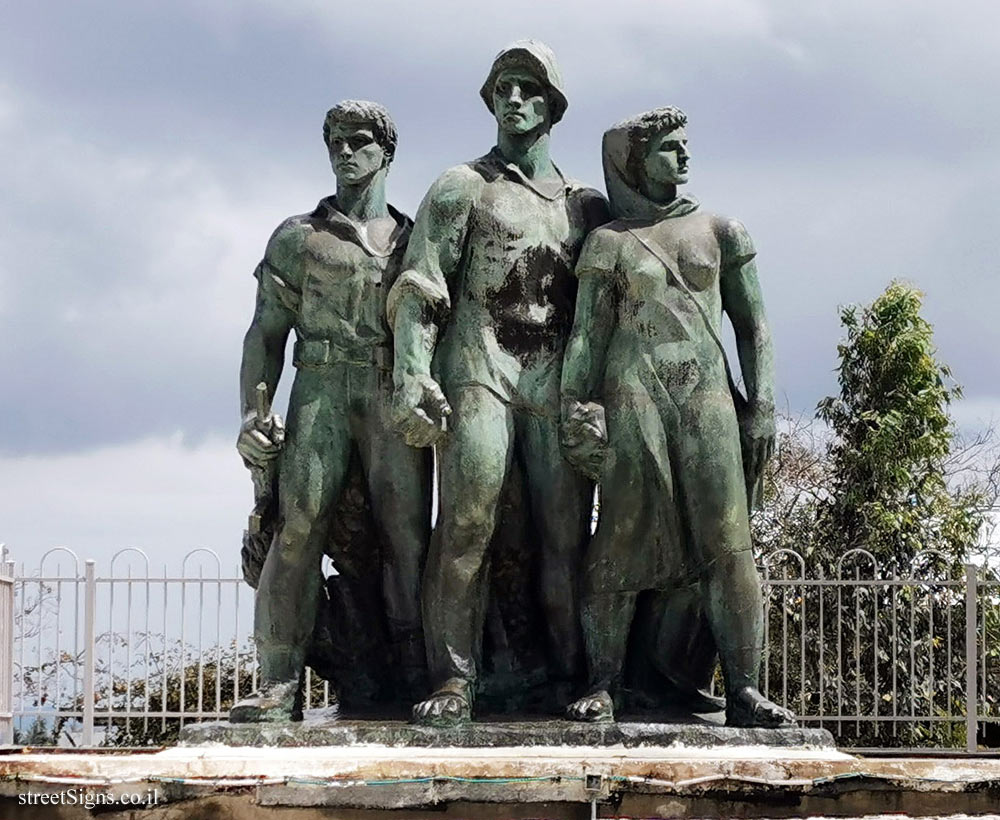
(650, 409)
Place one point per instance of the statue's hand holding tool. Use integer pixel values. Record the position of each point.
(584, 437)
(262, 434)
(420, 410)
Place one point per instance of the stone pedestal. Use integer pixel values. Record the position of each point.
(488, 734)
(366, 781)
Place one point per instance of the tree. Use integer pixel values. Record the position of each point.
(893, 439)
(796, 480)
(39, 733)
(879, 634)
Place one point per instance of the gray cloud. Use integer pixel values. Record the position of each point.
(151, 148)
(159, 495)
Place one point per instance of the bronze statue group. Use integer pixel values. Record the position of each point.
(540, 339)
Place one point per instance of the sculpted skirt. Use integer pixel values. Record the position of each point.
(673, 497)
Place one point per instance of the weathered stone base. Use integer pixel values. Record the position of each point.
(362, 782)
(487, 734)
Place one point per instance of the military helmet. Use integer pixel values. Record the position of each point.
(540, 61)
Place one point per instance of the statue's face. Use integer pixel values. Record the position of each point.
(667, 157)
(354, 153)
(519, 102)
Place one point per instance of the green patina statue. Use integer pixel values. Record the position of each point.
(651, 410)
(325, 274)
(468, 330)
(481, 314)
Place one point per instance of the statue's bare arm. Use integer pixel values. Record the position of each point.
(261, 438)
(420, 300)
(583, 427)
(743, 303)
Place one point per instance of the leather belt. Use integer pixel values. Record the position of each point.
(322, 352)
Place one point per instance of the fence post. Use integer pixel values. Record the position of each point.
(7, 650)
(971, 656)
(89, 651)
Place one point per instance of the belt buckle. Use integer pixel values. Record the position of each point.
(324, 358)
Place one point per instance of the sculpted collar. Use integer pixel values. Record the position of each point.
(649, 210)
(499, 161)
(327, 211)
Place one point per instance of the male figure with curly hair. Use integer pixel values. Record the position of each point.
(325, 274)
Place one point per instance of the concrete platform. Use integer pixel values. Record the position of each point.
(366, 781)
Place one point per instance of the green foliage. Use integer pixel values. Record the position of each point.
(888, 488)
(181, 683)
(38, 734)
(887, 475)
(796, 480)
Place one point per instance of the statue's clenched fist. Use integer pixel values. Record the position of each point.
(419, 409)
(260, 439)
(584, 437)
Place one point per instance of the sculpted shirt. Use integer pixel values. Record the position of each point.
(660, 339)
(492, 258)
(322, 267)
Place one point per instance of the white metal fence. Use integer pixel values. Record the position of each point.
(885, 656)
(881, 657)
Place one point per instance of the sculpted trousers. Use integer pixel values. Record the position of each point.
(485, 435)
(331, 410)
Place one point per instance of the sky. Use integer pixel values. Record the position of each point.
(149, 149)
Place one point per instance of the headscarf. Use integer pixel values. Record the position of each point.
(621, 175)
(537, 58)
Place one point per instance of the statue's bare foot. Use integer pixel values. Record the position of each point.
(450, 705)
(272, 703)
(748, 707)
(597, 707)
